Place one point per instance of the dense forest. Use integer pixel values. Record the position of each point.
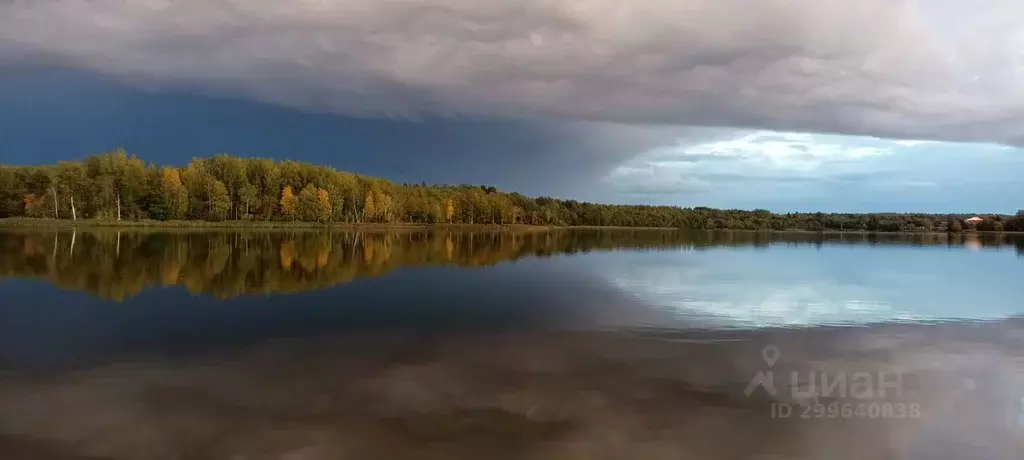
(116, 265)
(119, 186)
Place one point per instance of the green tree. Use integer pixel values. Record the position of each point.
(195, 179)
(249, 196)
(219, 205)
(174, 193)
(265, 176)
(72, 184)
(351, 195)
(309, 208)
(232, 171)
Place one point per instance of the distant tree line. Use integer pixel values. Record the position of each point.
(119, 186)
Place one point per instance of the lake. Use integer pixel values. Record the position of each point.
(566, 344)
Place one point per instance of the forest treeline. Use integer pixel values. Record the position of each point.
(118, 186)
(116, 265)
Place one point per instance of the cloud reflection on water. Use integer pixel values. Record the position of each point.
(790, 285)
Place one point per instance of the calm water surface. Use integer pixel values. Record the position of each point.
(541, 345)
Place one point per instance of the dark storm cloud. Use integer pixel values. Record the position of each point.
(53, 114)
(919, 69)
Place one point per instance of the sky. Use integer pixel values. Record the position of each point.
(786, 105)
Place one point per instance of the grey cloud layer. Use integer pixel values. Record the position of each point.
(927, 69)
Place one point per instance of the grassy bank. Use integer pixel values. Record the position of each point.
(30, 223)
(27, 222)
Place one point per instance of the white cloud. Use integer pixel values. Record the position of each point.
(792, 151)
(811, 172)
(913, 69)
(912, 143)
(778, 159)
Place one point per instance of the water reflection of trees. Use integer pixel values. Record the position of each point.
(116, 265)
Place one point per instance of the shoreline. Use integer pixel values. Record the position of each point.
(32, 223)
(38, 223)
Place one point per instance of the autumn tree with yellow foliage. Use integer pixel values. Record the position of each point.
(369, 208)
(289, 203)
(324, 209)
(449, 210)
